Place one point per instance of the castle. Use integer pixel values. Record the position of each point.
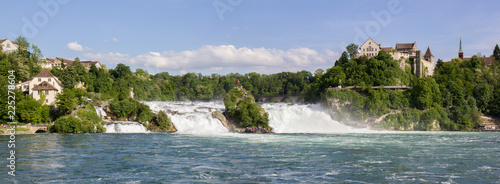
(422, 65)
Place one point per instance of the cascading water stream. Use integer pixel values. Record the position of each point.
(125, 127)
(196, 118)
(192, 117)
(303, 118)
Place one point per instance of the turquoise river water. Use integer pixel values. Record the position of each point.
(374, 157)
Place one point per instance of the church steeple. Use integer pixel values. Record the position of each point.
(460, 52)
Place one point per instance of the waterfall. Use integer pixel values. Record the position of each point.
(192, 117)
(125, 127)
(303, 118)
(195, 117)
(100, 112)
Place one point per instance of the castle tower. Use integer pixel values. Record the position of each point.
(460, 52)
(429, 64)
(418, 64)
(428, 55)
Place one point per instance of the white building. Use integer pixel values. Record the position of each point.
(45, 83)
(8, 46)
(57, 63)
(370, 48)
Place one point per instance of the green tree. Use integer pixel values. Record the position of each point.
(351, 48)
(343, 59)
(245, 110)
(496, 53)
(23, 43)
(30, 110)
(36, 53)
(424, 93)
(144, 112)
(123, 108)
(66, 100)
(475, 62)
(162, 121)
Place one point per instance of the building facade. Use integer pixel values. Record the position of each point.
(43, 83)
(369, 49)
(8, 46)
(57, 63)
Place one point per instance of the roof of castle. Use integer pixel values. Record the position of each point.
(404, 45)
(428, 52)
(387, 49)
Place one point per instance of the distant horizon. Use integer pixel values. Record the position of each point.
(222, 37)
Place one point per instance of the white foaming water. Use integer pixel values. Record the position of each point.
(196, 118)
(125, 127)
(192, 117)
(303, 118)
(100, 112)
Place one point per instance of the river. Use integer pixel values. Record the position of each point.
(325, 152)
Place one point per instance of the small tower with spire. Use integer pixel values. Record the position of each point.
(460, 52)
(429, 56)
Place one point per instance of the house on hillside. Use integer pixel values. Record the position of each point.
(88, 64)
(57, 63)
(43, 83)
(423, 65)
(8, 46)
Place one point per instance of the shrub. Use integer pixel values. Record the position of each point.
(72, 125)
(89, 114)
(245, 110)
(162, 121)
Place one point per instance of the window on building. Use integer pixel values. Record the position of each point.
(46, 100)
(369, 43)
(39, 79)
(8, 45)
(49, 79)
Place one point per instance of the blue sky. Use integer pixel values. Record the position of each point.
(224, 36)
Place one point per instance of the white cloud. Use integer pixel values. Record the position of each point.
(114, 39)
(109, 58)
(87, 49)
(217, 58)
(75, 46)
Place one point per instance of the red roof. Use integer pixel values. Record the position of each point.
(15, 43)
(428, 52)
(66, 61)
(51, 60)
(45, 73)
(387, 49)
(44, 86)
(404, 46)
